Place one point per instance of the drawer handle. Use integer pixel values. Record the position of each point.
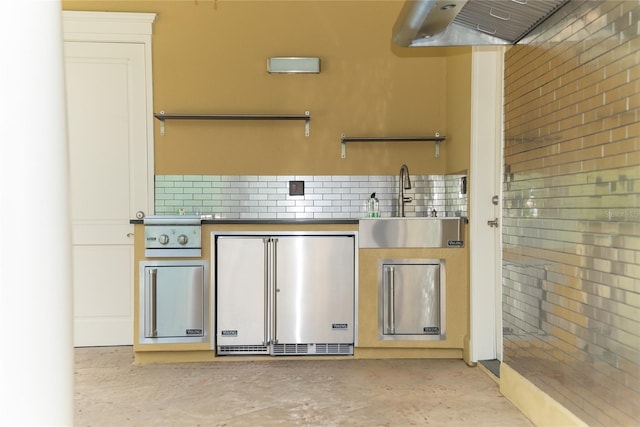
(267, 338)
(153, 318)
(275, 290)
(391, 299)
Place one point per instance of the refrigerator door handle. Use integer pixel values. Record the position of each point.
(391, 299)
(152, 319)
(274, 269)
(266, 336)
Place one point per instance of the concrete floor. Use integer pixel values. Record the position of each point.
(111, 391)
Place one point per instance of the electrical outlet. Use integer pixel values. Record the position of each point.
(296, 188)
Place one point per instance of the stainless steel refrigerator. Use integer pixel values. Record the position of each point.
(285, 294)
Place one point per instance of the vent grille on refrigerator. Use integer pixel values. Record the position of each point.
(319, 349)
(243, 349)
(334, 349)
(280, 349)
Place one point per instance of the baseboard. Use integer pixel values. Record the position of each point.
(535, 404)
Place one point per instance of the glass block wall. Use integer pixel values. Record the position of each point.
(571, 219)
(325, 196)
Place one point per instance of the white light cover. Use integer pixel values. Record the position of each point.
(293, 65)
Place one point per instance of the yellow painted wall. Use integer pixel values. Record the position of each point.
(210, 57)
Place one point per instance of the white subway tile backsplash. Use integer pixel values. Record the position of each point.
(285, 215)
(174, 178)
(202, 184)
(211, 191)
(220, 184)
(341, 190)
(326, 196)
(193, 190)
(249, 215)
(330, 196)
(172, 190)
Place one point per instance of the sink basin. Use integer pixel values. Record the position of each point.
(413, 232)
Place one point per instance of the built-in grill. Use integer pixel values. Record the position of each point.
(172, 236)
(174, 293)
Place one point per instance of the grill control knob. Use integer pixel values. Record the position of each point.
(183, 239)
(163, 239)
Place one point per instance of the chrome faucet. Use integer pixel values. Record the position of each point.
(405, 184)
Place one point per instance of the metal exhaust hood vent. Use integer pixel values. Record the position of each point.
(470, 22)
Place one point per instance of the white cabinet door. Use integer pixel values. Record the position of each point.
(107, 125)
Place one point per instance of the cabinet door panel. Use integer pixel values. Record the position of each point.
(179, 301)
(412, 299)
(315, 289)
(241, 287)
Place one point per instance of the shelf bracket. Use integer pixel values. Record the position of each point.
(306, 123)
(161, 124)
(343, 144)
(163, 116)
(437, 138)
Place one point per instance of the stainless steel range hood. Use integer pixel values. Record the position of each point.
(470, 22)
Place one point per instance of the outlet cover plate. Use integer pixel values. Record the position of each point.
(296, 188)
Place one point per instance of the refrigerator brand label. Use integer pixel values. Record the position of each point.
(455, 243)
(194, 331)
(230, 333)
(431, 330)
(339, 326)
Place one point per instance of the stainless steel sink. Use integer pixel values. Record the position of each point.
(415, 232)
